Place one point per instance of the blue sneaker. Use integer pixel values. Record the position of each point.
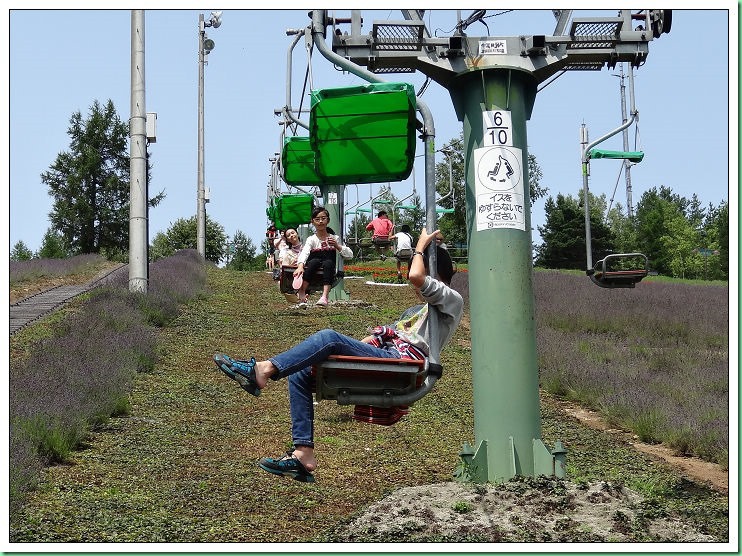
(287, 466)
(239, 370)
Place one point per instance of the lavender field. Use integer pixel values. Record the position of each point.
(93, 356)
(181, 467)
(653, 359)
(20, 271)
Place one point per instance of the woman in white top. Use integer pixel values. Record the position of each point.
(319, 255)
(289, 246)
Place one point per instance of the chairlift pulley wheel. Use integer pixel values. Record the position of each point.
(662, 23)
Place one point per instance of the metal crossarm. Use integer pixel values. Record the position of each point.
(586, 65)
(384, 69)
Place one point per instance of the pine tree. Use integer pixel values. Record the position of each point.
(20, 252)
(52, 246)
(243, 257)
(90, 183)
(563, 233)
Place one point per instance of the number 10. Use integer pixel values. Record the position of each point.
(499, 136)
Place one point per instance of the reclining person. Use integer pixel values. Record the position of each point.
(406, 339)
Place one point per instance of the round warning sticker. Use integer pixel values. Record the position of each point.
(499, 168)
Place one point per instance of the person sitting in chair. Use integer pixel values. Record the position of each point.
(271, 234)
(403, 252)
(289, 249)
(406, 339)
(319, 257)
(382, 230)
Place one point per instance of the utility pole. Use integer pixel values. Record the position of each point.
(205, 46)
(138, 194)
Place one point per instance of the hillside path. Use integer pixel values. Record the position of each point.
(36, 306)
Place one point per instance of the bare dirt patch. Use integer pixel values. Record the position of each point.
(696, 469)
(527, 510)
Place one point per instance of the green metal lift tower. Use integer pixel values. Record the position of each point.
(493, 83)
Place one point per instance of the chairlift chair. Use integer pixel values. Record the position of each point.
(617, 270)
(381, 389)
(607, 272)
(400, 203)
(352, 241)
(286, 286)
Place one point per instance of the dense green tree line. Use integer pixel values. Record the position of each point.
(680, 237)
(89, 184)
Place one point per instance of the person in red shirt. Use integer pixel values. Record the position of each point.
(382, 230)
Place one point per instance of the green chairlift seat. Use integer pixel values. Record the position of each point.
(364, 133)
(291, 210)
(297, 162)
(631, 156)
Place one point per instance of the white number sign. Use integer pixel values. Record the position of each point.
(497, 125)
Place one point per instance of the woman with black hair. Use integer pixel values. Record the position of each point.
(319, 256)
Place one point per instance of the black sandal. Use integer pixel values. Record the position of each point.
(287, 466)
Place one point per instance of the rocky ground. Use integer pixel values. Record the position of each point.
(534, 510)
(527, 510)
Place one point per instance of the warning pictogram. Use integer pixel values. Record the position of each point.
(499, 188)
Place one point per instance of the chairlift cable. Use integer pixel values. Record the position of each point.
(307, 78)
(310, 49)
(615, 187)
(550, 81)
(498, 13)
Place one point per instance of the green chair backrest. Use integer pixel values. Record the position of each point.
(297, 162)
(293, 209)
(632, 156)
(363, 134)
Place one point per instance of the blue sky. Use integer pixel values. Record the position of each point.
(61, 61)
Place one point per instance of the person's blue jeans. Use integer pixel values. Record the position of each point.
(296, 365)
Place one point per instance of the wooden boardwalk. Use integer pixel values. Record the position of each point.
(36, 306)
